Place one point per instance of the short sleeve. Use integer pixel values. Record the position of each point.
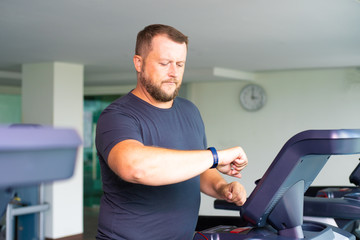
(114, 127)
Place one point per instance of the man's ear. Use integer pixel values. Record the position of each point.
(138, 61)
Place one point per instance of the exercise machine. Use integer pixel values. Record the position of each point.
(31, 155)
(336, 205)
(274, 209)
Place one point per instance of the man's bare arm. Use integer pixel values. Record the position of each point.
(155, 166)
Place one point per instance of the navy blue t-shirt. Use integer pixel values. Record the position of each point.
(136, 211)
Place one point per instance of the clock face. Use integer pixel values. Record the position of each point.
(252, 97)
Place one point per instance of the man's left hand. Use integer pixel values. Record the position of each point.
(234, 192)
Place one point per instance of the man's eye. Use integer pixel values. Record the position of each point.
(164, 64)
(180, 64)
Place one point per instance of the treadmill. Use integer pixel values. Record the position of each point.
(336, 205)
(274, 209)
(29, 156)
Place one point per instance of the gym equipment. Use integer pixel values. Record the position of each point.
(274, 209)
(338, 205)
(31, 155)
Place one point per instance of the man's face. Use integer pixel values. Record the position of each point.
(163, 68)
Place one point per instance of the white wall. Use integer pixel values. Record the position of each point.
(297, 100)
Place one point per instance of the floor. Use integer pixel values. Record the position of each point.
(90, 222)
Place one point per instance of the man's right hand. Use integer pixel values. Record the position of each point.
(232, 161)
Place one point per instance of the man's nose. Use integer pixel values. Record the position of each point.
(173, 71)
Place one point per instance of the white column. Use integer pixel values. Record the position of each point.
(52, 94)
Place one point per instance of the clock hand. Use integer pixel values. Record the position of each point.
(253, 97)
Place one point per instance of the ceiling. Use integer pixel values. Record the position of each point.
(236, 35)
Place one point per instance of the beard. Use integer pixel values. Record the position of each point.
(156, 92)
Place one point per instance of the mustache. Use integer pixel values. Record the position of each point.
(171, 80)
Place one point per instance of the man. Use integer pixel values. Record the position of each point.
(152, 150)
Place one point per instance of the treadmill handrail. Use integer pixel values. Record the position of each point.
(289, 161)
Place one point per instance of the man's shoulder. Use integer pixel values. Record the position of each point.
(188, 108)
(122, 103)
(118, 107)
(185, 102)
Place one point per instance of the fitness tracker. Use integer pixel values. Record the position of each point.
(215, 156)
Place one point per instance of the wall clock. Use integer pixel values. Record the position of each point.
(252, 97)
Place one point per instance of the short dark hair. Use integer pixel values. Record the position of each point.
(145, 36)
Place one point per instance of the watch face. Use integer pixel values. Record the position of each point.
(252, 97)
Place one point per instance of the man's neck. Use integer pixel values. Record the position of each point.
(144, 95)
